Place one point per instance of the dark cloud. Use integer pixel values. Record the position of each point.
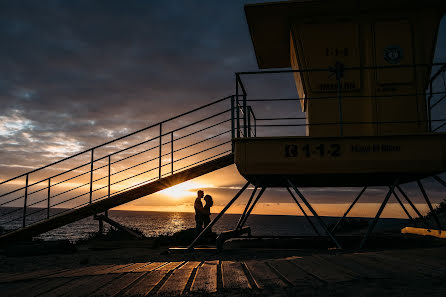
(77, 73)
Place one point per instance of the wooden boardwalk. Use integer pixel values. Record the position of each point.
(227, 277)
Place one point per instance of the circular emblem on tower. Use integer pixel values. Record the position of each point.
(393, 54)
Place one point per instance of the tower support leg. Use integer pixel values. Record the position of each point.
(378, 214)
(314, 213)
(215, 220)
(402, 205)
(252, 206)
(437, 221)
(348, 210)
(246, 208)
(303, 211)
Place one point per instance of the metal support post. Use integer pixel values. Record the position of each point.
(91, 175)
(429, 108)
(237, 111)
(249, 122)
(160, 151)
(211, 224)
(49, 196)
(303, 211)
(314, 214)
(402, 206)
(26, 200)
(437, 221)
(246, 208)
(109, 175)
(252, 206)
(171, 152)
(245, 125)
(232, 122)
(378, 214)
(348, 210)
(339, 71)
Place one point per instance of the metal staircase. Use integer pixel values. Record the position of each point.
(119, 171)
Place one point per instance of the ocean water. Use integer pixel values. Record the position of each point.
(153, 223)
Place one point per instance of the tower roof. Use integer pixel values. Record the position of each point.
(269, 23)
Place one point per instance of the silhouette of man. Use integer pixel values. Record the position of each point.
(199, 211)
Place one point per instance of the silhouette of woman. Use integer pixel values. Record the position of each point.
(207, 210)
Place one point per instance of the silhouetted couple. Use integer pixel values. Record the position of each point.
(202, 213)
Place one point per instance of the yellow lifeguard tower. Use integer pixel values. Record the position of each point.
(362, 70)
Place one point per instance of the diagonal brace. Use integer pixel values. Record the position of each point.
(348, 210)
(303, 211)
(314, 214)
(252, 206)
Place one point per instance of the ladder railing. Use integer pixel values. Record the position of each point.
(116, 166)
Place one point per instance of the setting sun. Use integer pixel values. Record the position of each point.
(183, 190)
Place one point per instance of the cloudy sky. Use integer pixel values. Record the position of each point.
(75, 74)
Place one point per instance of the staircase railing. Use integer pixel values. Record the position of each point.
(116, 166)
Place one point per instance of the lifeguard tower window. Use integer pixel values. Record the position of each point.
(384, 52)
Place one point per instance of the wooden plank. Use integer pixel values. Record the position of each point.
(19, 288)
(146, 284)
(113, 269)
(150, 267)
(293, 274)
(431, 256)
(130, 274)
(233, 276)
(263, 275)
(322, 269)
(403, 267)
(91, 286)
(206, 278)
(334, 261)
(372, 265)
(353, 267)
(31, 275)
(396, 268)
(44, 286)
(83, 271)
(72, 284)
(178, 280)
(118, 285)
(132, 267)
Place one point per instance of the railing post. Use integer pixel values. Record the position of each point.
(91, 175)
(171, 152)
(429, 109)
(245, 116)
(25, 202)
(249, 121)
(232, 117)
(237, 105)
(160, 151)
(49, 196)
(232, 122)
(109, 174)
(339, 70)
